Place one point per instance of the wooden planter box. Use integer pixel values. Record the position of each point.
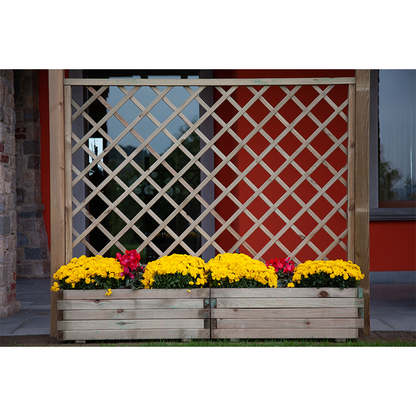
(133, 314)
(286, 313)
(210, 313)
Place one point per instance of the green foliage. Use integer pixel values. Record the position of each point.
(172, 281)
(135, 283)
(324, 280)
(99, 283)
(242, 283)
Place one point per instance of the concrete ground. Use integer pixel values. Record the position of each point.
(392, 314)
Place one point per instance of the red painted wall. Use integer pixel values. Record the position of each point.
(392, 245)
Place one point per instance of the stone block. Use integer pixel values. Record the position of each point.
(9, 310)
(42, 268)
(10, 202)
(24, 270)
(7, 174)
(8, 149)
(4, 225)
(7, 186)
(3, 295)
(20, 130)
(13, 221)
(38, 239)
(31, 147)
(20, 195)
(36, 253)
(22, 240)
(4, 273)
(33, 162)
(28, 226)
(29, 214)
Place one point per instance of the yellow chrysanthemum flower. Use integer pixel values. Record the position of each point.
(332, 268)
(83, 269)
(233, 267)
(184, 264)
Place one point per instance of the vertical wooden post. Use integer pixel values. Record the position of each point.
(68, 174)
(351, 174)
(57, 183)
(362, 189)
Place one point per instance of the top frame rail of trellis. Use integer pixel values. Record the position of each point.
(209, 82)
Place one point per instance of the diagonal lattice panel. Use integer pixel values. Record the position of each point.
(97, 221)
(188, 165)
(96, 191)
(291, 191)
(167, 218)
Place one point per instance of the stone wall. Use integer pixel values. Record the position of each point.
(8, 224)
(33, 256)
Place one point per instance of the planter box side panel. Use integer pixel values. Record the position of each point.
(131, 314)
(314, 313)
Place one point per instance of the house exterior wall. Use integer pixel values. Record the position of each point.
(393, 252)
(8, 223)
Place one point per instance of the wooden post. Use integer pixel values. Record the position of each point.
(351, 173)
(68, 174)
(362, 219)
(57, 166)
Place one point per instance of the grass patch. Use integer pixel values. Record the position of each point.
(260, 343)
(212, 343)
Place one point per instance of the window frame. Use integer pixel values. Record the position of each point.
(376, 212)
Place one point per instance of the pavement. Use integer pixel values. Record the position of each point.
(392, 314)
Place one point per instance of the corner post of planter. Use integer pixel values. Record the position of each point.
(211, 304)
(57, 181)
(361, 187)
(59, 315)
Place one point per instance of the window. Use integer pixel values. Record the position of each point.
(393, 145)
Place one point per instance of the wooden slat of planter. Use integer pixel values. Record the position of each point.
(305, 323)
(131, 304)
(136, 334)
(284, 313)
(135, 294)
(136, 314)
(290, 303)
(301, 292)
(118, 324)
(284, 333)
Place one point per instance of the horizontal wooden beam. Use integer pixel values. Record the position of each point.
(208, 82)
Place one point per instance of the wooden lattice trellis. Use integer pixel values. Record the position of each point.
(226, 89)
(355, 216)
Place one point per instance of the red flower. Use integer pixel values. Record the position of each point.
(130, 261)
(285, 266)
